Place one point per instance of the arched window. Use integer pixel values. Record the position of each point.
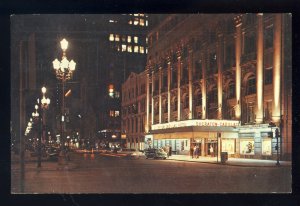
(251, 85)
(231, 90)
(213, 96)
(186, 101)
(175, 105)
(199, 99)
(165, 106)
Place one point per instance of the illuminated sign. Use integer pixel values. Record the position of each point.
(198, 122)
(123, 136)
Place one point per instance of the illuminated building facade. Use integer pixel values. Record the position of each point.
(220, 80)
(134, 110)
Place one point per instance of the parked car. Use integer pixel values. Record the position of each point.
(52, 153)
(156, 154)
(132, 153)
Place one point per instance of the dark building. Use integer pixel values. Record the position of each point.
(106, 48)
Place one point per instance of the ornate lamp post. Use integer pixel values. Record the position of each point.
(44, 106)
(64, 70)
(35, 116)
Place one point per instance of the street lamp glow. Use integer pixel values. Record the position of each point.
(56, 64)
(36, 107)
(64, 44)
(44, 90)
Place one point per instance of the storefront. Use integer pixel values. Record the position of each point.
(184, 135)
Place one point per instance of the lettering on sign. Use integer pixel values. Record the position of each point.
(189, 123)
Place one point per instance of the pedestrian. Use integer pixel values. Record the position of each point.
(192, 152)
(197, 151)
(211, 150)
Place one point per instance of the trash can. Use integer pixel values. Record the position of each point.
(224, 157)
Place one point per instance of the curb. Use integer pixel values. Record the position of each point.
(230, 164)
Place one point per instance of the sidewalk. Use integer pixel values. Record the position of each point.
(232, 161)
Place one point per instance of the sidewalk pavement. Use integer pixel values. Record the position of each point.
(231, 161)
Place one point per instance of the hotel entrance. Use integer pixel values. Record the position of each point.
(211, 148)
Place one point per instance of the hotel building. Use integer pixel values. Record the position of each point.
(221, 80)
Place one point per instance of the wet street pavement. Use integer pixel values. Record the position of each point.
(116, 174)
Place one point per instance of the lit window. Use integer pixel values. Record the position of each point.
(146, 40)
(141, 49)
(129, 39)
(111, 37)
(136, 49)
(118, 47)
(117, 94)
(117, 37)
(135, 14)
(146, 23)
(141, 14)
(129, 48)
(111, 113)
(142, 22)
(111, 21)
(117, 113)
(130, 22)
(136, 21)
(123, 47)
(146, 50)
(135, 39)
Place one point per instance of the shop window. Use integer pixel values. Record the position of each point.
(268, 76)
(251, 86)
(247, 147)
(228, 145)
(266, 147)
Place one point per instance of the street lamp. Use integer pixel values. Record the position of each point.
(35, 116)
(63, 70)
(44, 106)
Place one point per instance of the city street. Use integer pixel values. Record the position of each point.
(116, 174)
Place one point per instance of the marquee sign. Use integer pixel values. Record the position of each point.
(197, 122)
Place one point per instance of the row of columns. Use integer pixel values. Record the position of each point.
(238, 77)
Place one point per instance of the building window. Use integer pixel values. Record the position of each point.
(111, 113)
(117, 38)
(231, 90)
(136, 49)
(130, 22)
(111, 37)
(146, 23)
(268, 37)
(251, 86)
(124, 47)
(175, 105)
(266, 147)
(141, 49)
(268, 76)
(142, 22)
(135, 39)
(136, 21)
(129, 48)
(129, 39)
(117, 113)
(146, 50)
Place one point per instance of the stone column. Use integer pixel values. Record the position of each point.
(203, 56)
(178, 88)
(159, 90)
(238, 49)
(220, 59)
(190, 69)
(169, 90)
(260, 69)
(152, 105)
(147, 125)
(276, 67)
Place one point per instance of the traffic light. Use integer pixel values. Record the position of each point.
(270, 134)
